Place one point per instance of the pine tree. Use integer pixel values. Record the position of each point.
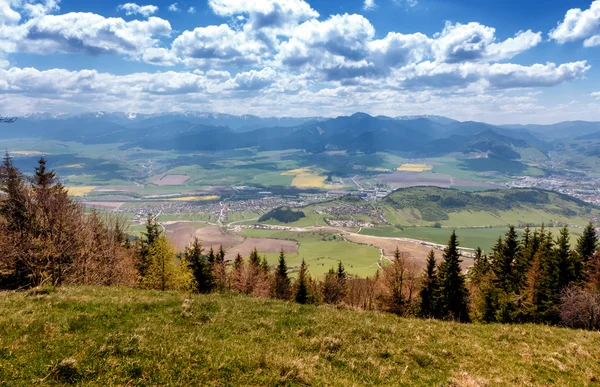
(453, 300)
(252, 272)
(588, 243)
(342, 278)
(211, 256)
(149, 239)
(199, 266)
(505, 256)
(565, 265)
(429, 288)
(14, 207)
(301, 295)
(281, 288)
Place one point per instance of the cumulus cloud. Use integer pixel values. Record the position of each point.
(174, 7)
(134, 9)
(596, 95)
(494, 76)
(579, 25)
(369, 5)
(254, 80)
(7, 14)
(85, 32)
(476, 42)
(280, 14)
(192, 10)
(217, 44)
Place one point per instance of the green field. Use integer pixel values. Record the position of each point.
(118, 336)
(322, 251)
(469, 237)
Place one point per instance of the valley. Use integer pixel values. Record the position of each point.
(362, 182)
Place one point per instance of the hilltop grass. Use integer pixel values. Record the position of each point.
(117, 336)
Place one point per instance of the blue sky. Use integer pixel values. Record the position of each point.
(501, 62)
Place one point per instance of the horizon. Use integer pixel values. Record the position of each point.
(296, 58)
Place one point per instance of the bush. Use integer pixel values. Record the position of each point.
(580, 308)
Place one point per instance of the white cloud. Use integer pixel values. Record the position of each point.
(7, 14)
(253, 80)
(192, 10)
(84, 32)
(205, 45)
(369, 5)
(174, 7)
(579, 25)
(38, 9)
(280, 14)
(474, 42)
(596, 95)
(133, 9)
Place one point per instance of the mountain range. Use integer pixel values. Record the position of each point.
(417, 136)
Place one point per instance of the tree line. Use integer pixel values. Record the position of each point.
(48, 239)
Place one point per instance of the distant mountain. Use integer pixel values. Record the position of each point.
(561, 130)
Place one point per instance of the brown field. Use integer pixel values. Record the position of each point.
(182, 233)
(424, 179)
(164, 180)
(104, 205)
(418, 252)
(264, 246)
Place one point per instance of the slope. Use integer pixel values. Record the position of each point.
(117, 336)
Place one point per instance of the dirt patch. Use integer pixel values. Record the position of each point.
(417, 251)
(118, 188)
(163, 180)
(215, 237)
(264, 246)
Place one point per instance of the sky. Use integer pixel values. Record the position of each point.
(510, 61)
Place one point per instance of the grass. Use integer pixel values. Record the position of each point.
(116, 336)
(322, 251)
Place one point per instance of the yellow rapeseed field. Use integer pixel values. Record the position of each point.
(81, 190)
(306, 178)
(414, 168)
(196, 198)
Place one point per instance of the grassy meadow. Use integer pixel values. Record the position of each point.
(117, 336)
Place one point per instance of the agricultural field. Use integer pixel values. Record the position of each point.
(79, 191)
(92, 336)
(414, 168)
(308, 178)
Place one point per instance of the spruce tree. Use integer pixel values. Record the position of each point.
(565, 266)
(14, 207)
(149, 240)
(587, 244)
(198, 264)
(282, 281)
(453, 299)
(211, 256)
(301, 295)
(505, 255)
(429, 288)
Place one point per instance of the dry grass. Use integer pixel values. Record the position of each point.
(118, 336)
(79, 191)
(414, 168)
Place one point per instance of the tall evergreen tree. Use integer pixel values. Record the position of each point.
(198, 264)
(281, 287)
(505, 255)
(301, 295)
(429, 288)
(565, 265)
(211, 256)
(588, 243)
(149, 240)
(453, 300)
(14, 207)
